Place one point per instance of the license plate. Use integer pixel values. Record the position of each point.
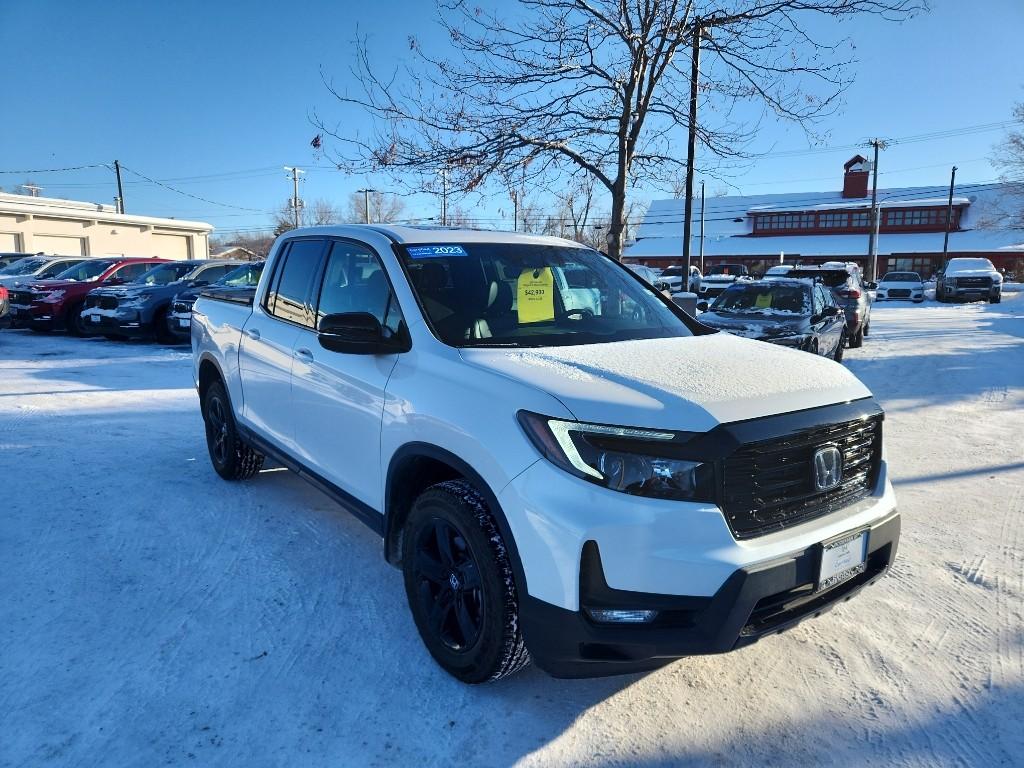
(183, 322)
(842, 559)
(94, 318)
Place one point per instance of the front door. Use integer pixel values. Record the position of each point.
(337, 398)
(268, 341)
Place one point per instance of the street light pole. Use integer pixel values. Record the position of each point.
(949, 217)
(366, 203)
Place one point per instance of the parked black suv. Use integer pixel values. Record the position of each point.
(850, 291)
(179, 318)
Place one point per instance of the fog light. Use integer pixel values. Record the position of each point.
(609, 616)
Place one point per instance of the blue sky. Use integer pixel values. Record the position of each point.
(215, 97)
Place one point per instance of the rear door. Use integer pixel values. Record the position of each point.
(338, 398)
(268, 339)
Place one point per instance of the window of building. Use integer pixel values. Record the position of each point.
(834, 220)
(925, 266)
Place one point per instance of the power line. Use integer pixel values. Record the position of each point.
(189, 194)
(58, 170)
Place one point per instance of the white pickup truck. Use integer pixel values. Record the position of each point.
(564, 464)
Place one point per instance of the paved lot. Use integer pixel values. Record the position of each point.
(151, 614)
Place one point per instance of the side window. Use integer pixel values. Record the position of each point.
(828, 298)
(354, 281)
(212, 274)
(288, 299)
(819, 300)
(130, 272)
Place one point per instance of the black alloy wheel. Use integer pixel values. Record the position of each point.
(232, 458)
(449, 585)
(838, 354)
(217, 430)
(460, 585)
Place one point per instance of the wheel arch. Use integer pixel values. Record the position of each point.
(209, 372)
(416, 466)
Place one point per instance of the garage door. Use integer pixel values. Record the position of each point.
(9, 243)
(170, 246)
(59, 245)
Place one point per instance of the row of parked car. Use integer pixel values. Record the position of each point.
(117, 297)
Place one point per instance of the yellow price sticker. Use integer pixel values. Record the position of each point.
(763, 301)
(535, 291)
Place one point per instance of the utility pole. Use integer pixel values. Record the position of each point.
(444, 197)
(120, 190)
(701, 229)
(366, 203)
(33, 190)
(296, 203)
(875, 217)
(515, 210)
(691, 139)
(949, 217)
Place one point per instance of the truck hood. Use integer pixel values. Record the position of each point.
(690, 383)
(971, 273)
(720, 279)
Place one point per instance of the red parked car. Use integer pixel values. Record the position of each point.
(48, 305)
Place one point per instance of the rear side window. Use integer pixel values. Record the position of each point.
(214, 273)
(131, 272)
(289, 297)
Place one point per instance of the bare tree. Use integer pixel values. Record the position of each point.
(384, 208)
(284, 218)
(1008, 210)
(323, 212)
(594, 88)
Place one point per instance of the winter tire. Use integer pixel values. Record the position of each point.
(838, 354)
(995, 299)
(857, 340)
(231, 457)
(460, 585)
(163, 336)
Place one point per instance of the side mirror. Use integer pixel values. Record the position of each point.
(114, 281)
(357, 333)
(871, 286)
(661, 285)
(197, 283)
(702, 306)
(832, 312)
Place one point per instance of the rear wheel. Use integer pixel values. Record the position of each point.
(995, 299)
(857, 340)
(232, 458)
(460, 586)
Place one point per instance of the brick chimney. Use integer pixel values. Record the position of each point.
(855, 178)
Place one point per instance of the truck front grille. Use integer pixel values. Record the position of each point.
(769, 485)
(973, 282)
(20, 297)
(108, 302)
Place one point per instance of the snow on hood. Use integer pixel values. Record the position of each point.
(689, 383)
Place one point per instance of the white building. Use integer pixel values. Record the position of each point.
(808, 227)
(72, 228)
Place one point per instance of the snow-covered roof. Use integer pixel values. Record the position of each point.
(728, 225)
(56, 208)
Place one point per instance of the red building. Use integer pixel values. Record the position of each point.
(763, 230)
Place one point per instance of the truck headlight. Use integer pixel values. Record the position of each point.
(640, 462)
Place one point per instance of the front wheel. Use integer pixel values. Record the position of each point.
(460, 585)
(995, 299)
(73, 320)
(232, 458)
(838, 354)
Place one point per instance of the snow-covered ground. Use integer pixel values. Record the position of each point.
(152, 614)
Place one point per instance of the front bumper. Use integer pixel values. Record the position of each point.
(755, 601)
(712, 291)
(972, 293)
(179, 325)
(118, 322)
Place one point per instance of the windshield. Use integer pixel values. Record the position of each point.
(27, 266)
(778, 270)
(764, 300)
(728, 269)
(86, 271)
(165, 274)
(673, 272)
(247, 274)
(901, 277)
(512, 295)
(833, 278)
(959, 264)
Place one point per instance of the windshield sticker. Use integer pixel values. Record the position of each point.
(764, 301)
(535, 291)
(435, 251)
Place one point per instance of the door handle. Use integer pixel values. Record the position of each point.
(253, 333)
(304, 355)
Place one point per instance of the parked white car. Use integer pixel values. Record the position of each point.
(673, 277)
(900, 285)
(969, 279)
(601, 487)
